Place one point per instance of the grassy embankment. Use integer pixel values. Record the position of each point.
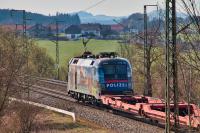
(50, 122)
(55, 122)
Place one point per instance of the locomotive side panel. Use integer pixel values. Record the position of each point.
(82, 79)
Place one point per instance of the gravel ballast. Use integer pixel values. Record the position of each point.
(102, 118)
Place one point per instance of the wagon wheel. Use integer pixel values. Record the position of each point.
(141, 112)
(198, 128)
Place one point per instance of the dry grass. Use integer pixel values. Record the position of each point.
(50, 122)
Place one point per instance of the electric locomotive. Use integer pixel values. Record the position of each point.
(91, 76)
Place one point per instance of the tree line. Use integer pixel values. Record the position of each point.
(5, 18)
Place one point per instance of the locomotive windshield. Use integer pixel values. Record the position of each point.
(115, 72)
(115, 77)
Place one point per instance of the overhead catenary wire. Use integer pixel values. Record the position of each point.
(84, 10)
(94, 5)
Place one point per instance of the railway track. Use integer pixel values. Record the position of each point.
(53, 82)
(45, 82)
(62, 95)
(52, 93)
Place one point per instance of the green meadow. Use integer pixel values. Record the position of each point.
(69, 49)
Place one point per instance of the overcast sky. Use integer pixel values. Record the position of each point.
(107, 7)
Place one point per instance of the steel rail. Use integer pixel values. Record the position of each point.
(63, 96)
(60, 95)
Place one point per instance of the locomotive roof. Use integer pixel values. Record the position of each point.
(88, 59)
(90, 62)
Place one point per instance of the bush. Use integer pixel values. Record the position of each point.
(20, 57)
(26, 115)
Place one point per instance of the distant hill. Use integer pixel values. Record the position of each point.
(133, 21)
(102, 19)
(155, 14)
(5, 18)
(136, 20)
(73, 18)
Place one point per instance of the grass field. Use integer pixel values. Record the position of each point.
(69, 49)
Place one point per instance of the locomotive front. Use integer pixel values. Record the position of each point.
(115, 77)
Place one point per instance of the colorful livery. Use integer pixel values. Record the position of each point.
(90, 76)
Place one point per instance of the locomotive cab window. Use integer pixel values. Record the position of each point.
(92, 63)
(121, 69)
(113, 72)
(75, 61)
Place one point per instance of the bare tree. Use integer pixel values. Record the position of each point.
(26, 115)
(191, 34)
(11, 64)
(136, 57)
(20, 60)
(189, 57)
